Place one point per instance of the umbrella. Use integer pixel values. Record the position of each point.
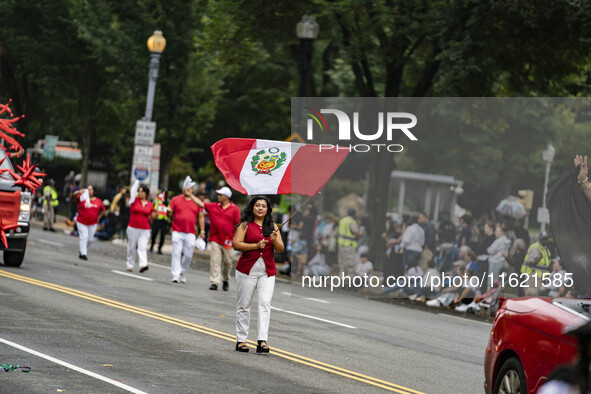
(511, 206)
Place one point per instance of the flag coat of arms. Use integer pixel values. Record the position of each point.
(254, 166)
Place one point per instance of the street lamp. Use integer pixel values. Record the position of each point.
(307, 31)
(146, 160)
(543, 214)
(156, 45)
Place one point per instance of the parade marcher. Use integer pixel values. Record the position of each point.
(186, 209)
(160, 225)
(90, 209)
(138, 230)
(347, 243)
(50, 204)
(224, 216)
(257, 237)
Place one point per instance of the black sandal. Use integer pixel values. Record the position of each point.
(242, 347)
(262, 348)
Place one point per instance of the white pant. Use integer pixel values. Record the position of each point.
(246, 285)
(181, 243)
(137, 238)
(86, 234)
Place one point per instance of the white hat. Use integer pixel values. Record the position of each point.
(188, 183)
(200, 243)
(225, 191)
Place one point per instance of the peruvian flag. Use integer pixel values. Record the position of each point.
(254, 166)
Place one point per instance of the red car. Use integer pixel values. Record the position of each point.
(528, 341)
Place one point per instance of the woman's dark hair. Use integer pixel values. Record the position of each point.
(144, 188)
(248, 215)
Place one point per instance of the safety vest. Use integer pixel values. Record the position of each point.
(346, 237)
(54, 201)
(161, 209)
(542, 266)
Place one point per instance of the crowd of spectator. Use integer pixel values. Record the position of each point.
(415, 247)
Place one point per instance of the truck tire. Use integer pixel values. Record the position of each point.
(14, 259)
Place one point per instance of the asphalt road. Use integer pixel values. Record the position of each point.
(88, 327)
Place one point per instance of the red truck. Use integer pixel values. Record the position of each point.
(15, 208)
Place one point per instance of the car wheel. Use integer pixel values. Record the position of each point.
(14, 259)
(510, 379)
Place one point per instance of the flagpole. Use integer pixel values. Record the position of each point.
(297, 210)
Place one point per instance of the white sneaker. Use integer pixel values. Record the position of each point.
(412, 297)
(421, 299)
(473, 307)
(183, 278)
(434, 303)
(175, 280)
(462, 308)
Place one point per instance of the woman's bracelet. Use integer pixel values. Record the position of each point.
(585, 184)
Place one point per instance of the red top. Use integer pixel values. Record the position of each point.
(223, 223)
(89, 216)
(185, 214)
(254, 233)
(139, 215)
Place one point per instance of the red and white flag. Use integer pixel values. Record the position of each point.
(276, 167)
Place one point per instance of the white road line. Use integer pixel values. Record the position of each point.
(50, 243)
(73, 367)
(313, 317)
(160, 266)
(305, 298)
(464, 319)
(132, 275)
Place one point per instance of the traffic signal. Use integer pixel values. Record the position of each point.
(527, 198)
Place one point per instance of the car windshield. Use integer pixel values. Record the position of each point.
(577, 305)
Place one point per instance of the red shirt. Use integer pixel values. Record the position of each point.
(223, 223)
(254, 233)
(89, 216)
(139, 216)
(185, 214)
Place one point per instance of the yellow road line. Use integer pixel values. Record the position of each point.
(215, 333)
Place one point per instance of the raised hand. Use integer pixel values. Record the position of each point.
(581, 161)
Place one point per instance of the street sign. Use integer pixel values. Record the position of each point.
(144, 133)
(142, 155)
(543, 215)
(141, 173)
(49, 146)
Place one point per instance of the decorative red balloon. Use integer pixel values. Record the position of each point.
(7, 128)
(3, 228)
(29, 176)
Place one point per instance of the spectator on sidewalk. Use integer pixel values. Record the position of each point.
(429, 230)
(50, 204)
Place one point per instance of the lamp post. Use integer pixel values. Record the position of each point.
(156, 45)
(548, 156)
(146, 160)
(307, 31)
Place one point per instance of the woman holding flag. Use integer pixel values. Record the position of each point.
(257, 237)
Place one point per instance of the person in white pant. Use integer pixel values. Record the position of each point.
(90, 209)
(138, 230)
(186, 209)
(257, 237)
